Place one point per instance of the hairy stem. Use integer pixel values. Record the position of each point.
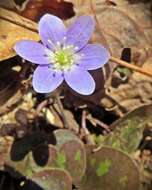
(63, 116)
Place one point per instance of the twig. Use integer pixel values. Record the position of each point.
(131, 66)
(18, 20)
(19, 24)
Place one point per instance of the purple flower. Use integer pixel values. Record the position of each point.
(64, 55)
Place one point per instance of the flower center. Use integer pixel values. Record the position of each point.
(63, 58)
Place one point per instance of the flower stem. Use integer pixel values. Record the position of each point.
(131, 66)
(85, 130)
(64, 119)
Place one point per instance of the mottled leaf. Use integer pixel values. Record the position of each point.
(63, 136)
(53, 179)
(74, 159)
(109, 169)
(128, 131)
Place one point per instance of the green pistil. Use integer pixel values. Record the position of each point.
(63, 59)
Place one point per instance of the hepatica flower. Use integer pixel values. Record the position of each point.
(64, 55)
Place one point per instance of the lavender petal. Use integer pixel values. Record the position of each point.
(93, 56)
(46, 80)
(79, 33)
(80, 80)
(32, 51)
(51, 30)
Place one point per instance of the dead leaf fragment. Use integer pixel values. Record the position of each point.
(10, 32)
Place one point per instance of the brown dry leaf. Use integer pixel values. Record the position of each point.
(54, 117)
(5, 147)
(8, 4)
(34, 9)
(10, 32)
(133, 93)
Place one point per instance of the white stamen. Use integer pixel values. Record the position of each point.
(64, 41)
(58, 46)
(58, 43)
(76, 48)
(50, 42)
